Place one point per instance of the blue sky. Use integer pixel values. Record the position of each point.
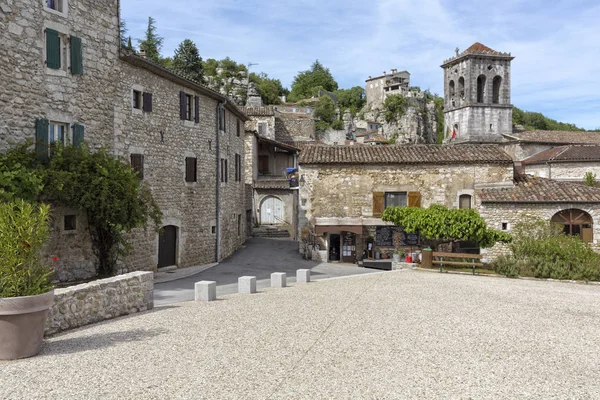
(556, 43)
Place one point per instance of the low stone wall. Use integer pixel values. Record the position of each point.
(100, 300)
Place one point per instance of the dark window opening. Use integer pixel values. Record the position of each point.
(191, 169)
(263, 165)
(56, 5)
(239, 224)
(224, 172)
(464, 201)
(396, 199)
(70, 223)
(137, 163)
(505, 226)
(189, 104)
(497, 83)
(137, 99)
(213, 229)
(481, 88)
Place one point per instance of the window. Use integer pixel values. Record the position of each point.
(70, 223)
(262, 128)
(224, 172)
(146, 102)
(56, 133)
(461, 87)
(213, 229)
(496, 84)
(238, 167)
(239, 128)
(481, 88)
(137, 163)
(56, 5)
(504, 226)
(464, 201)
(239, 224)
(396, 199)
(188, 107)
(191, 164)
(137, 99)
(263, 165)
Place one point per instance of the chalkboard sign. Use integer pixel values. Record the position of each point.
(384, 236)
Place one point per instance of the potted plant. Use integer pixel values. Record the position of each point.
(398, 254)
(26, 289)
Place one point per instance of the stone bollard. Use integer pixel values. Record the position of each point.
(247, 284)
(278, 279)
(303, 275)
(206, 290)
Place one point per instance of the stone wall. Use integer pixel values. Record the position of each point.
(573, 171)
(520, 151)
(332, 137)
(495, 214)
(32, 90)
(294, 128)
(100, 300)
(269, 122)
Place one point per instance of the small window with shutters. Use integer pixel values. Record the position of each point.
(53, 49)
(238, 168)
(191, 164)
(137, 163)
(76, 55)
(147, 102)
(56, 6)
(137, 99)
(224, 171)
(396, 199)
(189, 105)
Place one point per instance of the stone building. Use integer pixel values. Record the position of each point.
(273, 209)
(344, 189)
(477, 104)
(378, 88)
(67, 83)
(187, 141)
(570, 162)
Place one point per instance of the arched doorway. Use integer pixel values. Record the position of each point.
(271, 211)
(167, 246)
(575, 222)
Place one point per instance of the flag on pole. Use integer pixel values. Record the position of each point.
(453, 134)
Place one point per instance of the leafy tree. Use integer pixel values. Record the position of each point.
(210, 67)
(306, 82)
(325, 112)
(19, 177)
(438, 224)
(537, 121)
(352, 99)
(187, 60)
(394, 107)
(129, 45)
(270, 89)
(109, 192)
(152, 43)
(439, 111)
(590, 179)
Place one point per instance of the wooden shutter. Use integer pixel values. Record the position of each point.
(76, 56)
(378, 203)
(137, 163)
(147, 102)
(182, 105)
(414, 199)
(196, 109)
(41, 139)
(52, 49)
(190, 169)
(238, 127)
(78, 133)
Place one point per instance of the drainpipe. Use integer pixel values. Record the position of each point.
(218, 180)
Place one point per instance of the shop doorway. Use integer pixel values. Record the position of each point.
(334, 247)
(167, 246)
(349, 247)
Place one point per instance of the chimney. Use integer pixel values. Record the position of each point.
(384, 73)
(369, 76)
(142, 52)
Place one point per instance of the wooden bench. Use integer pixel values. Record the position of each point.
(471, 264)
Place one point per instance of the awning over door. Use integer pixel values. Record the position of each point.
(321, 229)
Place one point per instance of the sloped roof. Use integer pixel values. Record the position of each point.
(556, 137)
(478, 49)
(581, 153)
(376, 138)
(274, 183)
(266, 111)
(403, 154)
(541, 190)
(281, 145)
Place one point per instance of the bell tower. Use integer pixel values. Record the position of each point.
(477, 105)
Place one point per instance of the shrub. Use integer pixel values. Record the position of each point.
(23, 231)
(540, 249)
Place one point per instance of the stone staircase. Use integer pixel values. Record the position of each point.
(265, 231)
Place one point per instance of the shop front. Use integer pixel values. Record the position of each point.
(341, 241)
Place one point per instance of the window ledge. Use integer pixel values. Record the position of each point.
(56, 72)
(63, 14)
(188, 124)
(137, 111)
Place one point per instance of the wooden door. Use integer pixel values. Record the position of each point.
(271, 211)
(167, 246)
(348, 247)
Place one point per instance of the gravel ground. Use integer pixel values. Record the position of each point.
(393, 335)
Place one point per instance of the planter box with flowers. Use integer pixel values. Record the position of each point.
(26, 289)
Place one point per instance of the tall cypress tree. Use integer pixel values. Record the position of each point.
(152, 43)
(187, 60)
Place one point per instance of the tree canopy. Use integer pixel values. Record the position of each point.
(308, 83)
(187, 60)
(324, 112)
(538, 121)
(270, 89)
(352, 99)
(152, 43)
(438, 224)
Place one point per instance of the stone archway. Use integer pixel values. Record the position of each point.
(575, 222)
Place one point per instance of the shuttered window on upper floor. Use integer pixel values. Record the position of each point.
(52, 49)
(137, 163)
(76, 55)
(191, 165)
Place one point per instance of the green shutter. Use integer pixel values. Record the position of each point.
(78, 131)
(41, 139)
(76, 56)
(52, 49)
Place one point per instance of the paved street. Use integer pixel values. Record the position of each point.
(392, 335)
(260, 257)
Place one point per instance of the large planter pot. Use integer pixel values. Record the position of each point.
(22, 323)
(396, 257)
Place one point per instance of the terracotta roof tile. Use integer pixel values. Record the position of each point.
(403, 154)
(274, 183)
(556, 137)
(266, 111)
(566, 154)
(541, 190)
(478, 48)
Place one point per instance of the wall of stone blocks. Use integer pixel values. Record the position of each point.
(100, 300)
(30, 90)
(291, 128)
(573, 171)
(252, 125)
